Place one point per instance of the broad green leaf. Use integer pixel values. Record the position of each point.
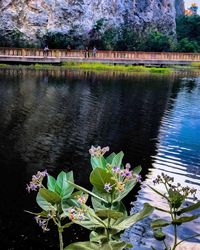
(108, 213)
(137, 170)
(99, 177)
(51, 182)
(185, 219)
(49, 196)
(117, 245)
(45, 205)
(98, 162)
(119, 206)
(85, 245)
(189, 208)
(130, 220)
(117, 160)
(63, 187)
(96, 237)
(110, 158)
(176, 199)
(158, 234)
(160, 223)
(128, 187)
(87, 191)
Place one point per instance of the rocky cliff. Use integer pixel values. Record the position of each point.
(34, 18)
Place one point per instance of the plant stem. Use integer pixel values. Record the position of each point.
(175, 237)
(60, 230)
(61, 239)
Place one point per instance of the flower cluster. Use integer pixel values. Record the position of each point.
(36, 181)
(76, 213)
(81, 199)
(98, 151)
(163, 178)
(43, 223)
(120, 177)
(167, 180)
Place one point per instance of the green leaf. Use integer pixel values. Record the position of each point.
(117, 160)
(185, 219)
(158, 234)
(85, 245)
(189, 208)
(51, 182)
(130, 220)
(63, 187)
(45, 205)
(50, 196)
(108, 213)
(117, 245)
(137, 170)
(97, 237)
(98, 162)
(109, 159)
(176, 199)
(160, 223)
(99, 177)
(87, 191)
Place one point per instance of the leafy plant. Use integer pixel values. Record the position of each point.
(54, 199)
(107, 219)
(175, 197)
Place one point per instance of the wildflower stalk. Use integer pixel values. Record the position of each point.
(60, 230)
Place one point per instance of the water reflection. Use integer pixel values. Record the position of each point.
(178, 155)
(49, 119)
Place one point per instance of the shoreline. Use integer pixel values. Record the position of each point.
(102, 67)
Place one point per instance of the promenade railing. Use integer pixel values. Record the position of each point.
(111, 55)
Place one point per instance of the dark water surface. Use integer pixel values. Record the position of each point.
(49, 120)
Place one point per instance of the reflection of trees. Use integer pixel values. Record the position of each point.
(60, 118)
(49, 119)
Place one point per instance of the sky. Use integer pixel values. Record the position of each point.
(189, 2)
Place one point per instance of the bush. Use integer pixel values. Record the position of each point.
(184, 45)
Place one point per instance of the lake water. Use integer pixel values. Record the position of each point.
(49, 120)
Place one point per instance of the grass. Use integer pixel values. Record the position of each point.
(196, 65)
(126, 68)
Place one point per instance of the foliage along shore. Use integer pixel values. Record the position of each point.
(98, 67)
(95, 67)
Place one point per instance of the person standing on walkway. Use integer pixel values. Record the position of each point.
(87, 55)
(46, 51)
(94, 51)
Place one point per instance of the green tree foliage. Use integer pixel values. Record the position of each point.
(188, 33)
(157, 41)
(188, 27)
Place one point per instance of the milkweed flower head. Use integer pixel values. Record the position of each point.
(98, 151)
(76, 213)
(36, 182)
(120, 177)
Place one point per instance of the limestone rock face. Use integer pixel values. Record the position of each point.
(35, 18)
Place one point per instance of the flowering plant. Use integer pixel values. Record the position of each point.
(176, 197)
(107, 219)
